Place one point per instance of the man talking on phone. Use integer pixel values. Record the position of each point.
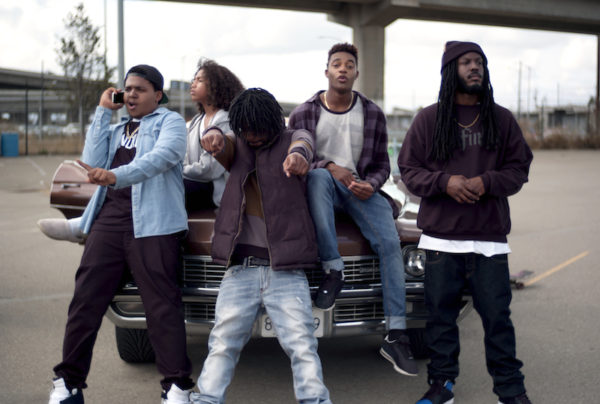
(134, 222)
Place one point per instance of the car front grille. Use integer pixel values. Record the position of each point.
(365, 311)
(359, 272)
(199, 312)
(342, 313)
(200, 271)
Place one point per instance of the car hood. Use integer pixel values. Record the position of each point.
(71, 192)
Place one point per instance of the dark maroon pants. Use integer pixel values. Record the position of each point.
(153, 262)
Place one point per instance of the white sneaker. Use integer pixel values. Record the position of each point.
(195, 398)
(60, 394)
(176, 396)
(60, 229)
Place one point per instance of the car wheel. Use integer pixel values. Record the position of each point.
(417, 343)
(134, 345)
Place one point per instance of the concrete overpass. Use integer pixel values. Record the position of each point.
(368, 19)
(13, 82)
(24, 80)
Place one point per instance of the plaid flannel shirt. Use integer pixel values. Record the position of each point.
(373, 165)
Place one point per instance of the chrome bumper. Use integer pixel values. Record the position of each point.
(357, 312)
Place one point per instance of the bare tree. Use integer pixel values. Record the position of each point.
(83, 63)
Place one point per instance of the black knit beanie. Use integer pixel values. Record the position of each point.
(455, 49)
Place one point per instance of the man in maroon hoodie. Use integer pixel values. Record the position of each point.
(464, 155)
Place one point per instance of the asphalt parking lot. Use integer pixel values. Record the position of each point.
(556, 222)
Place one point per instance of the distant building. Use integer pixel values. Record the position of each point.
(567, 120)
(21, 97)
(398, 122)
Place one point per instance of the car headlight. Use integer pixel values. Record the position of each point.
(414, 260)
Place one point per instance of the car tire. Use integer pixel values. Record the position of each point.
(417, 343)
(134, 345)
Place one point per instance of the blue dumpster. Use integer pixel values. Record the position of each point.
(10, 144)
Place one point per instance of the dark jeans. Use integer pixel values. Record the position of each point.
(153, 262)
(487, 279)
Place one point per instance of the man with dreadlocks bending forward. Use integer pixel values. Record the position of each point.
(265, 236)
(464, 156)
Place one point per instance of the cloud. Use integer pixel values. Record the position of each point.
(284, 51)
(29, 31)
(548, 60)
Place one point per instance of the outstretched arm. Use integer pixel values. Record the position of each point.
(220, 146)
(295, 164)
(98, 176)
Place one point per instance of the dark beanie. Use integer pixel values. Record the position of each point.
(151, 74)
(455, 49)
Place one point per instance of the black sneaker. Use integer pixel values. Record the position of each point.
(399, 354)
(329, 289)
(522, 399)
(440, 392)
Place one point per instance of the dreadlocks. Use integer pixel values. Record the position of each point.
(446, 138)
(256, 110)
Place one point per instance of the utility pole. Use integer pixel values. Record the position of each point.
(598, 87)
(181, 93)
(528, 91)
(41, 120)
(121, 63)
(519, 96)
(542, 124)
(182, 99)
(105, 45)
(27, 119)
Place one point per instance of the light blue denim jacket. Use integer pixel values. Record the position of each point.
(155, 173)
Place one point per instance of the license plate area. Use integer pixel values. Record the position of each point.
(267, 329)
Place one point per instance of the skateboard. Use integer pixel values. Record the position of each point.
(518, 279)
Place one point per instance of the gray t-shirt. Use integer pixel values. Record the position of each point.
(340, 136)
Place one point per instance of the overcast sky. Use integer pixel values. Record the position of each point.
(286, 52)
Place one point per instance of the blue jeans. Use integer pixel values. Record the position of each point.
(286, 298)
(487, 279)
(375, 219)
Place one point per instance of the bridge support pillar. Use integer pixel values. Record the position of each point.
(369, 38)
(370, 41)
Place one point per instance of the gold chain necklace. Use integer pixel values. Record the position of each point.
(469, 125)
(347, 108)
(132, 134)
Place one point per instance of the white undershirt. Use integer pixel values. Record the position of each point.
(487, 248)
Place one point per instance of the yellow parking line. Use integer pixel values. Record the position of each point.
(556, 269)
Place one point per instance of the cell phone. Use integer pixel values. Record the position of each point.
(118, 98)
